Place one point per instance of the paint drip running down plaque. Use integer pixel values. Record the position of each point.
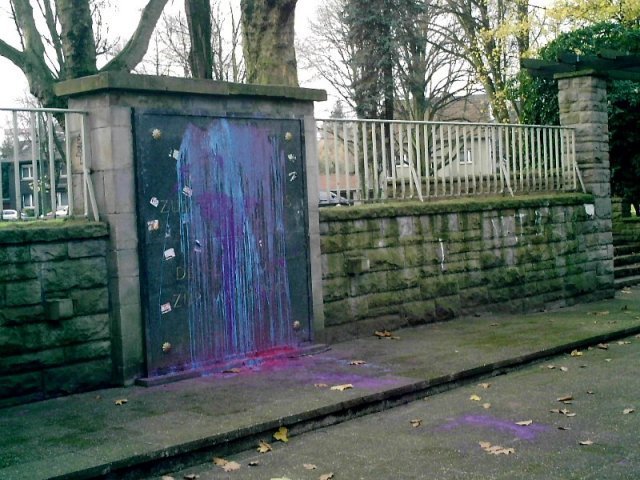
(223, 227)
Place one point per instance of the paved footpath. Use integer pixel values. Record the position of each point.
(163, 428)
(508, 427)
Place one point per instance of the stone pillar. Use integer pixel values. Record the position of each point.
(110, 99)
(582, 98)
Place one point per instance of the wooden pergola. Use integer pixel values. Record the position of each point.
(611, 64)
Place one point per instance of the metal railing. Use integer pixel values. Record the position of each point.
(372, 160)
(44, 163)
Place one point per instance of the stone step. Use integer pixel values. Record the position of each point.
(626, 282)
(627, 249)
(627, 271)
(630, 259)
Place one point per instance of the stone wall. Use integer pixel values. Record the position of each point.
(393, 265)
(54, 320)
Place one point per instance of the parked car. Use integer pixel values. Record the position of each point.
(8, 214)
(330, 199)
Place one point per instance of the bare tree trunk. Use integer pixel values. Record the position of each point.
(77, 39)
(199, 21)
(268, 32)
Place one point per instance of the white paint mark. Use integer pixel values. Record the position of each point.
(293, 176)
(495, 229)
(154, 201)
(169, 254)
(187, 191)
(590, 209)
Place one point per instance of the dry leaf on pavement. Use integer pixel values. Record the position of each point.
(524, 423)
(585, 442)
(475, 398)
(326, 476)
(624, 342)
(282, 434)
(264, 447)
(597, 314)
(253, 463)
(191, 476)
(496, 449)
(231, 370)
(486, 406)
(167, 477)
(382, 333)
(320, 385)
(484, 385)
(357, 362)
(226, 465)
(342, 388)
(627, 411)
(576, 353)
(565, 398)
(121, 401)
(416, 422)
(564, 369)
(603, 346)
(309, 466)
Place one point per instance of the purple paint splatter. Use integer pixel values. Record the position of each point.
(233, 240)
(506, 426)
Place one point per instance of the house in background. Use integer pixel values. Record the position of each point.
(27, 176)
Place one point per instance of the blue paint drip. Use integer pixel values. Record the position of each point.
(233, 240)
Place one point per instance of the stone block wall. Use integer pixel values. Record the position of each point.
(394, 265)
(54, 310)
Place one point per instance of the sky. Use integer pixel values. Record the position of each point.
(13, 84)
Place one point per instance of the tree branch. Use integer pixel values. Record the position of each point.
(136, 47)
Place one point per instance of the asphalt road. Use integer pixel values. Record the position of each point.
(471, 432)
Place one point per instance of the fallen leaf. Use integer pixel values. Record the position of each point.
(590, 392)
(494, 324)
(585, 442)
(607, 359)
(576, 353)
(191, 476)
(565, 398)
(603, 346)
(309, 466)
(551, 367)
(416, 422)
(496, 449)
(326, 476)
(231, 370)
(231, 467)
(564, 428)
(598, 314)
(167, 477)
(264, 447)
(624, 342)
(554, 410)
(342, 388)
(484, 385)
(564, 369)
(219, 462)
(121, 401)
(253, 463)
(282, 434)
(392, 337)
(627, 411)
(320, 385)
(280, 478)
(357, 362)
(570, 414)
(486, 406)
(524, 423)
(382, 333)
(475, 398)
(625, 290)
